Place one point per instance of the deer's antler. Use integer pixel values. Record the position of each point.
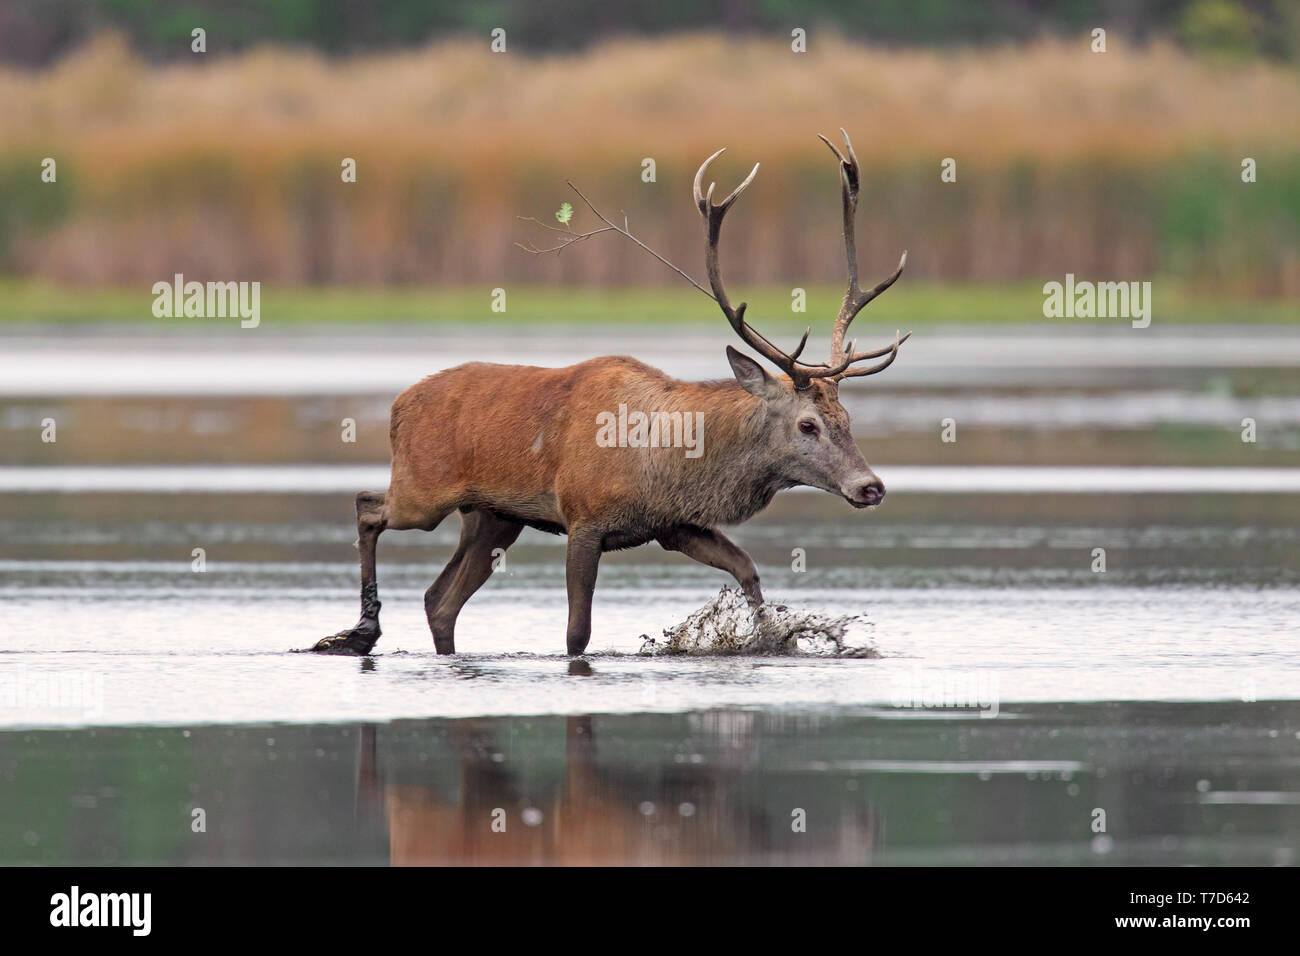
(844, 359)
(713, 212)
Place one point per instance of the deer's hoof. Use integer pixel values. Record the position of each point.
(356, 642)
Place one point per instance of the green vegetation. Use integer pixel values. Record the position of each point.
(38, 30)
(908, 305)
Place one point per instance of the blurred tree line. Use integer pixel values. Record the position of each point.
(34, 32)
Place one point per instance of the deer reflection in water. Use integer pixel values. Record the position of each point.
(618, 811)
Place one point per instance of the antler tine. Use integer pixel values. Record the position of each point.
(699, 178)
(705, 201)
(849, 372)
(850, 180)
(855, 299)
(713, 214)
(802, 342)
(864, 297)
(863, 356)
(838, 371)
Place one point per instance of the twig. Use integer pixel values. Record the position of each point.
(570, 238)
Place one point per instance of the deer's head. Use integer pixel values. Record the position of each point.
(807, 434)
(807, 429)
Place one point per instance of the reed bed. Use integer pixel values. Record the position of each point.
(1120, 165)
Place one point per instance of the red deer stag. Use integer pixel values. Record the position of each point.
(515, 446)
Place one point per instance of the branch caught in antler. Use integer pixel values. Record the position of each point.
(569, 237)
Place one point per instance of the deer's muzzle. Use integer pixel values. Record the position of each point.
(863, 493)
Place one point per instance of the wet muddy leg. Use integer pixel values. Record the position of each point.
(362, 638)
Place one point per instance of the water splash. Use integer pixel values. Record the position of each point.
(727, 625)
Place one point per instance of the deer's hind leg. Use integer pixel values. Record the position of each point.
(361, 638)
(484, 537)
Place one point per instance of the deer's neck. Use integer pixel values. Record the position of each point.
(735, 473)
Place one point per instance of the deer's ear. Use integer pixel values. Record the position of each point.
(752, 377)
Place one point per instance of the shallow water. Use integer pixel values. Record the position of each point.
(972, 600)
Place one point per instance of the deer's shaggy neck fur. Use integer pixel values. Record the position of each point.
(736, 476)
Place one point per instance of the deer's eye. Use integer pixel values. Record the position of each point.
(808, 426)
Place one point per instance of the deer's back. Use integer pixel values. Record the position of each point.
(518, 439)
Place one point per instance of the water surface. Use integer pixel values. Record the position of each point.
(1089, 601)
(1205, 784)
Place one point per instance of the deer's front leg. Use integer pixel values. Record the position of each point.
(581, 564)
(712, 547)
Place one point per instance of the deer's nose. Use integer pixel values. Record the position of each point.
(873, 492)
